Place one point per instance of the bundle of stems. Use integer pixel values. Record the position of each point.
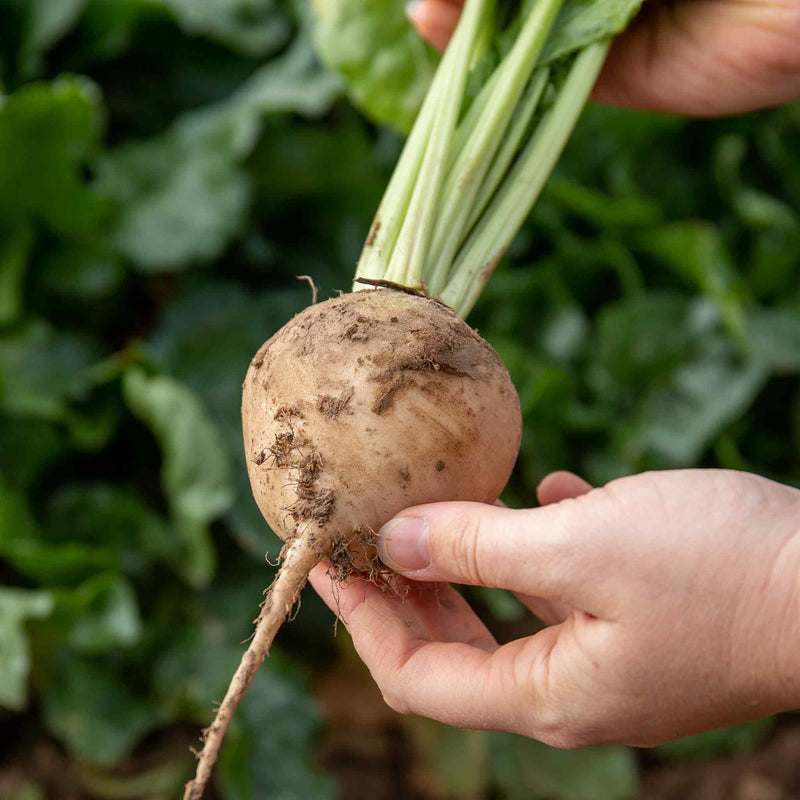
(476, 161)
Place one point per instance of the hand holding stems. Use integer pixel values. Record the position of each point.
(703, 58)
(671, 602)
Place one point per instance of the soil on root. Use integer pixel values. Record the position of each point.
(449, 348)
(424, 342)
(345, 562)
(331, 406)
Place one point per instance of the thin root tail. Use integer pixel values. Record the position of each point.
(299, 561)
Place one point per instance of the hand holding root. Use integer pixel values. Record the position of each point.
(671, 601)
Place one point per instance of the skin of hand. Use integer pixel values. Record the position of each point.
(670, 599)
(703, 58)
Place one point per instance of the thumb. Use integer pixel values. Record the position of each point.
(535, 551)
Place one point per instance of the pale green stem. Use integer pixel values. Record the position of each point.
(473, 115)
(511, 143)
(520, 189)
(469, 170)
(408, 259)
(394, 204)
(462, 190)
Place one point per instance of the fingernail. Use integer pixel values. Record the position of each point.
(403, 544)
(412, 7)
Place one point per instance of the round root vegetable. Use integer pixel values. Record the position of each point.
(365, 405)
(359, 407)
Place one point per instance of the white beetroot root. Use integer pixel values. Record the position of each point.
(359, 407)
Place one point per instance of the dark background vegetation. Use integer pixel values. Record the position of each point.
(167, 167)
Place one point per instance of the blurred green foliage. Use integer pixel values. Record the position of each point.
(388, 67)
(167, 167)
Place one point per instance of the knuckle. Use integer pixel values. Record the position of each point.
(557, 727)
(394, 682)
(464, 551)
(568, 738)
(746, 494)
(653, 490)
(577, 525)
(620, 492)
(571, 520)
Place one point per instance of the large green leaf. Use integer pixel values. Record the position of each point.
(180, 204)
(87, 270)
(736, 739)
(47, 375)
(17, 606)
(196, 474)
(30, 554)
(57, 565)
(775, 337)
(705, 395)
(101, 614)
(265, 759)
(206, 339)
(52, 129)
(41, 371)
(116, 518)
(184, 195)
(640, 340)
(696, 251)
(14, 254)
(40, 23)
(91, 708)
(528, 770)
(582, 22)
(387, 65)
(253, 27)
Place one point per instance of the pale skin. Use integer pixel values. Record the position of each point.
(671, 602)
(670, 599)
(703, 58)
